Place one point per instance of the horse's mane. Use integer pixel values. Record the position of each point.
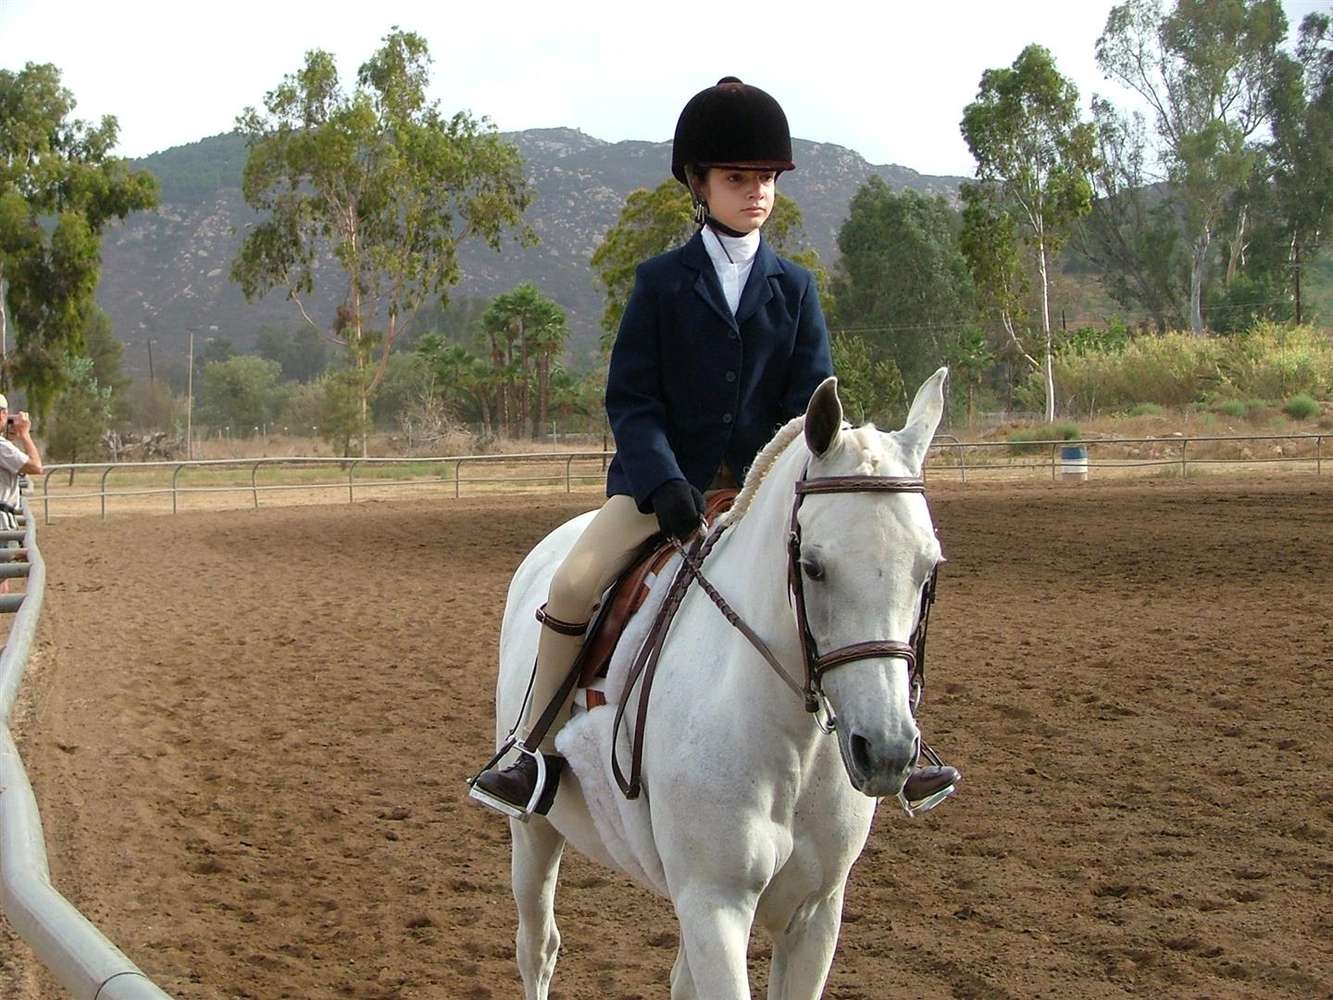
(866, 439)
(760, 467)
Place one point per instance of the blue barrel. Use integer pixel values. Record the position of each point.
(1074, 462)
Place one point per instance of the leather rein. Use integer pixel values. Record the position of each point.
(811, 689)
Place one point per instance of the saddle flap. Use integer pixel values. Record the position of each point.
(630, 591)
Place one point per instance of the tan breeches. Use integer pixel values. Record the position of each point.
(601, 553)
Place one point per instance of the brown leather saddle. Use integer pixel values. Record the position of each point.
(627, 596)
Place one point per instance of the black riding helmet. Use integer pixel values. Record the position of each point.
(734, 125)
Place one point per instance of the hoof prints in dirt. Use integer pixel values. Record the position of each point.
(275, 760)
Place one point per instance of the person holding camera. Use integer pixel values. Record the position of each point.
(18, 457)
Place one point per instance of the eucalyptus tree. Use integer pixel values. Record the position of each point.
(902, 282)
(1034, 154)
(59, 187)
(1132, 234)
(1300, 105)
(653, 222)
(378, 182)
(1204, 69)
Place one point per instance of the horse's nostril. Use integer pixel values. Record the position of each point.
(860, 748)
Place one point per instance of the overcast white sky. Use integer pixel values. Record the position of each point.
(887, 79)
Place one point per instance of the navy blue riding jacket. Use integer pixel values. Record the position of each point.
(691, 386)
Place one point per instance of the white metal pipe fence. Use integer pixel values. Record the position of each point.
(80, 958)
(568, 469)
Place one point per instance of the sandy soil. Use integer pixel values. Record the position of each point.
(249, 733)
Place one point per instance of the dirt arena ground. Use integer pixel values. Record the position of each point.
(249, 733)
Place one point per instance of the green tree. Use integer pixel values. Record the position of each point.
(1300, 105)
(81, 416)
(1132, 234)
(467, 382)
(405, 380)
(903, 283)
(151, 406)
(377, 180)
(302, 353)
(1204, 69)
(59, 187)
(871, 388)
(1033, 157)
(342, 420)
(653, 222)
(526, 332)
(240, 393)
(211, 350)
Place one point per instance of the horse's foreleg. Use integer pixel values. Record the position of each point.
(803, 952)
(535, 865)
(715, 932)
(682, 983)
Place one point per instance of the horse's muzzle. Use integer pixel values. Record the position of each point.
(878, 767)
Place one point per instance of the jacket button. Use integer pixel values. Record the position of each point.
(731, 376)
(726, 418)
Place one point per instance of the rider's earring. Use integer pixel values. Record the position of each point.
(700, 213)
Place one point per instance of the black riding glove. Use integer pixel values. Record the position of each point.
(679, 508)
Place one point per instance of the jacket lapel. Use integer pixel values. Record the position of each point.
(758, 289)
(706, 284)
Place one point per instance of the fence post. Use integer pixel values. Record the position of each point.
(962, 464)
(458, 476)
(568, 485)
(46, 496)
(351, 468)
(1184, 465)
(1053, 447)
(1319, 455)
(174, 475)
(106, 472)
(254, 486)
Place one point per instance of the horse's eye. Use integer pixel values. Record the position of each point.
(813, 568)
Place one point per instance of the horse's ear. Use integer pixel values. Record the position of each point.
(823, 417)
(923, 419)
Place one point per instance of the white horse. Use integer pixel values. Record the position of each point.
(756, 815)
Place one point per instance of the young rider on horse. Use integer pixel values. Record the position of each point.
(721, 343)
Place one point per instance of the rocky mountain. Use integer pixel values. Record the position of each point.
(165, 272)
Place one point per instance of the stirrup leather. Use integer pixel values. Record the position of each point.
(916, 807)
(556, 625)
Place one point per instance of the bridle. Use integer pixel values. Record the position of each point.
(817, 665)
(811, 689)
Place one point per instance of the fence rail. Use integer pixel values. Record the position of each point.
(949, 455)
(78, 956)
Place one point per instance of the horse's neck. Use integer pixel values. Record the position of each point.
(751, 559)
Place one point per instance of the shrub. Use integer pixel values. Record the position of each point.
(1270, 361)
(1301, 407)
(1022, 441)
(1230, 407)
(1146, 410)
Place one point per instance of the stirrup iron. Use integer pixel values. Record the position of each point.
(508, 808)
(925, 805)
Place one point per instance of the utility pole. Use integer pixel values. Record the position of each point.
(189, 404)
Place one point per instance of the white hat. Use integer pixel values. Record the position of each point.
(4, 403)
